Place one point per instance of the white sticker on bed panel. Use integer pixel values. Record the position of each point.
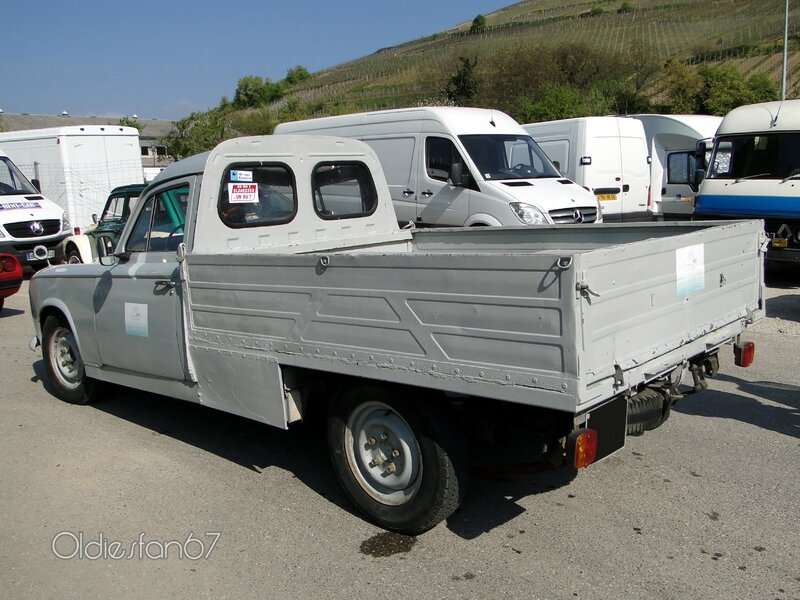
(246, 176)
(136, 319)
(690, 269)
(242, 193)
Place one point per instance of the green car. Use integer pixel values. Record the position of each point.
(83, 248)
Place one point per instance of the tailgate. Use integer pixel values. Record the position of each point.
(647, 306)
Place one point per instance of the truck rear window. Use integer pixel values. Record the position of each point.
(343, 190)
(253, 195)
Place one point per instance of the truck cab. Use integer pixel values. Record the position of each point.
(81, 248)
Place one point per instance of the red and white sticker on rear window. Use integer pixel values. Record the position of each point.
(242, 193)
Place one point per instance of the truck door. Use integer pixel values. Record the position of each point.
(677, 196)
(138, 312)
(635, 177)
(438, 202)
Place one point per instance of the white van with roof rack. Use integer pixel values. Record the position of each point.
(31, 226)
(456, 166)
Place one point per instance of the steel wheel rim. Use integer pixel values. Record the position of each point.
(383, 453)
(66, 359)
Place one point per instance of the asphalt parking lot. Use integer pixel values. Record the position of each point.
(141, 496)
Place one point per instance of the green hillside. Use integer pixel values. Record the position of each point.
(541, 59)
(747, 32)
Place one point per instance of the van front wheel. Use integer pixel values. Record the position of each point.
(400, 460)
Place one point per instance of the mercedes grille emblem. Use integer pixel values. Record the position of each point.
(37, 228)
(577, 216)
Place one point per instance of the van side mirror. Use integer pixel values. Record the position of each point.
(95, 220)
(37, 185)
(457, 177)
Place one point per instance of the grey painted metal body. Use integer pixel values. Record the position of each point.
(562, 317)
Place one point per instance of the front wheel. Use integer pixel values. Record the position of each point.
(401, 461)
(64, 364)
(74, 257)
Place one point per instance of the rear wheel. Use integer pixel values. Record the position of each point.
(401, 461)
(64, 364)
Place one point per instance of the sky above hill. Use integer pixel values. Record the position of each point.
(168, 58)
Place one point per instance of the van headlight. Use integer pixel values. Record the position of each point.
(64, 221)
(528, 214)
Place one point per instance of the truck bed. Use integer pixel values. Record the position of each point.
(562, 317)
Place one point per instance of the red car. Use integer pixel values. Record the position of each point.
(10, 276)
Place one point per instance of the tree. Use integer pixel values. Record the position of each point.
(296, 75)
(129, 122)
(253, 91)
(478, 24)
(462, 87)
(197, 133)
(684, 88)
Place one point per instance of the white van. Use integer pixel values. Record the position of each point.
(458, 166)
(672, 142)
(31, 226)
(607, 155)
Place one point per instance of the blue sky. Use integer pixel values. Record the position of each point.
(168, 58)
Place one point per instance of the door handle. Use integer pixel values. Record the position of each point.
(165, 283)
(427, 193)
(407, 192)
(626, 188)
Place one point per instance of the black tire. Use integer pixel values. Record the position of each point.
(64, 364)
(430, 474)
(2, 303)
(646, 411)
(74, 257)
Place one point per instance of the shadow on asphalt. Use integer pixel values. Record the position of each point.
(491, 499)
(781, 415)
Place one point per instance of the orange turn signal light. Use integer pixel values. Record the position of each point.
(582, 447)
(744, 354)
(780, 243)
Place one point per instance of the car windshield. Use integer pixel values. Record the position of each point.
(501, 157)
(12, 181)
(759, 156)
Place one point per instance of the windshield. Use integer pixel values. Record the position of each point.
(12, 181)
(756, 156)
(508, 157)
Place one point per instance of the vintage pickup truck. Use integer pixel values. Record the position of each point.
(268, 278)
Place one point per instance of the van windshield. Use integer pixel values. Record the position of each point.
(759, 156)
(12, 181)
(501, 157)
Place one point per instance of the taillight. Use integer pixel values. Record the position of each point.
(744, 354)
(582, 447)
(7, 264)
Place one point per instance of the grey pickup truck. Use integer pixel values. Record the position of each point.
(268, 278)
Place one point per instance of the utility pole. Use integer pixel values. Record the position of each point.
(785, 50)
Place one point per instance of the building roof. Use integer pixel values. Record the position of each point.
(152, 129)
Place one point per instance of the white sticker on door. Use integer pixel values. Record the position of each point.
(136, 319)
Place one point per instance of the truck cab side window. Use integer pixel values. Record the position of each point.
(159, 226)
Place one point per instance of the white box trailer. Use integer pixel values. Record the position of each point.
(672, 142)
(607, 155)
(77, 166)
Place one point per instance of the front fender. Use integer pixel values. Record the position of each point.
(479, 219)
(81, 243)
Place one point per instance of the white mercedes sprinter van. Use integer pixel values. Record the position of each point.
(31, 226)
(456, 166)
